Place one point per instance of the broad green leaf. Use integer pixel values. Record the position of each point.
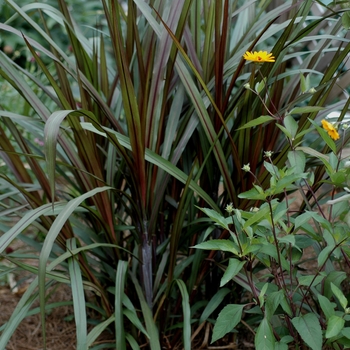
(309, 329)
(254, 193)
(335, 325)
(227, 320)
(264, 338)
(281, 346)
(313, 152)
(335, 277)
(345, 20)
(326, 306)
(233, 268)
(258, 121)
(291, 125)
(346, 332)
(216, 217)
(340, 296)
(308, 215)
(259, 215)
(297, 161)
(218, 244)
(272, 302)
(306, 280)
(288, 239)
(324, 255)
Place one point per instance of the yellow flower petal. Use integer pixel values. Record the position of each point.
(260, 56)
(331, 130)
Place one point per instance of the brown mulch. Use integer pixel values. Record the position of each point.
(60, 333)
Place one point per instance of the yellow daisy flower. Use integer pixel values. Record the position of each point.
(260, 57)
(332, 131)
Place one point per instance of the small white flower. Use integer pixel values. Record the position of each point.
(268, 154)
(229, 208)
(246, 167)
(312, 90)
(247, 86)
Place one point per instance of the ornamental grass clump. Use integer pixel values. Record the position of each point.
(148, 112)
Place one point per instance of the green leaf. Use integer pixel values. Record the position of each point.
(262, 294)
(261, 214)
(335, 277)
(186, 315)
(281, 346)
(313, 152)
(306, 280)
(264, 338)
(151, 327)
(288, 239)
(122, 268)
(307, 109)
(304, 83)
(214, 302)
(272, 302)
(291, 125)
(233, 268)
(309, 329)
(345, 20)
(305, 217)
(297, 160)
(255, 193)
(339, 295)
(324, 255)
(335, 325)
(134, 319)
(132, 342)
(258, 121)
(227, 320)
(216, 217)
(346, 332)
(259, 86)
(78, 294)
(326, 306)
(218, 244)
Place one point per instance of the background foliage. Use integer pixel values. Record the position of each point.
(121, 120)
